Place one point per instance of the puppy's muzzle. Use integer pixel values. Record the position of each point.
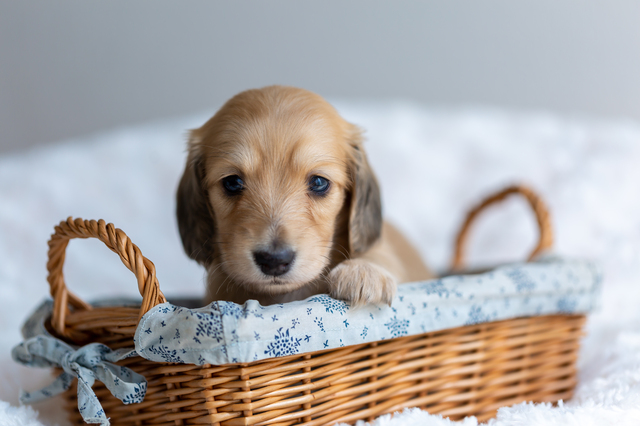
(274, 262)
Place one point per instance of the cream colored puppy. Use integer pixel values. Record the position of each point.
(278, 202)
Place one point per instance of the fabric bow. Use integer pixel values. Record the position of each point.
(88, 363)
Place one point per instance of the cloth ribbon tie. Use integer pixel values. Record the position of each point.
(88, 363)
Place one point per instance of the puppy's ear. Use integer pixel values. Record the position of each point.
(365, 216)
(195, 220)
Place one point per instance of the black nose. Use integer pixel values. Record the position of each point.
(274, 262)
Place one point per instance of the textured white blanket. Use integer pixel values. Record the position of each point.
(432, 165)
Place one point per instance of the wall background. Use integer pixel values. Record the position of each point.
(72, 67)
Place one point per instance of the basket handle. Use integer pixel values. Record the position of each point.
(117, 241)
(545, 239)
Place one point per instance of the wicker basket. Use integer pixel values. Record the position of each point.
(470, 370)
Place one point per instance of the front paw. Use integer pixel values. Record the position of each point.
(361, 282)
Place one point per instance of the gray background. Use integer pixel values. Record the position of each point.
(71, 67)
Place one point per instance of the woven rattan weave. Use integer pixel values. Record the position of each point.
(471, 370)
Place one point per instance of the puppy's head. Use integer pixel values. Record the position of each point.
(277, 189)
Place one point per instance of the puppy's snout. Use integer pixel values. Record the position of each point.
(276, 261)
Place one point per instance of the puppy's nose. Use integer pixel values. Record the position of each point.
(274, 262)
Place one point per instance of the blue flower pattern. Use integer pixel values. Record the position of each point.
(318, 322)
(567, 305)
(435, 287)
(137, 395)
(209, 326)
(166, 353)
(330, 305)
(476, 316)
(284, 344)
(522, 280)
(397, 327)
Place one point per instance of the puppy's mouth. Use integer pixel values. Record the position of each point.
(276, 285)
(277, 281)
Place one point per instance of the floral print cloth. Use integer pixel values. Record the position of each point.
(88, 363)
(225, 332)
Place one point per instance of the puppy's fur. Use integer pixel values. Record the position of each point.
(276, 139)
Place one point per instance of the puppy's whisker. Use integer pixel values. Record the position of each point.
(343, 251)
(225, 281)
(216, 269)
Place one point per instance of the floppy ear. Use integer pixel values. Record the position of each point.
(195, 220)
(365, 217)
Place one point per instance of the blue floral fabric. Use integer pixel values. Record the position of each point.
(88, 364)
(225, 332)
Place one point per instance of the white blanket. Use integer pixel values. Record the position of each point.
(432, 164)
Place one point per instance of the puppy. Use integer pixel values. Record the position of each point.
(278, 202)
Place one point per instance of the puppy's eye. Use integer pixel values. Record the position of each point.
(319, 185)
(233, 185)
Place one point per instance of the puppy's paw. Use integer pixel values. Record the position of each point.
(361, 282)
